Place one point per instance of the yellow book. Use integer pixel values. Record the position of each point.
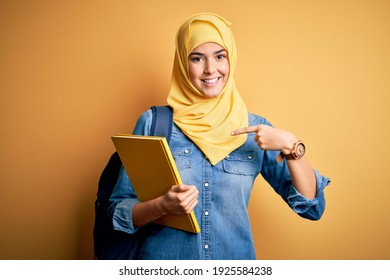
(152, 171)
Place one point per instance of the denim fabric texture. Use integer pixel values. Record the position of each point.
(224, 192)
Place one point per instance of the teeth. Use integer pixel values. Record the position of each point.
(210, 81)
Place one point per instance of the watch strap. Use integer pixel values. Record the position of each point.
(281, 156)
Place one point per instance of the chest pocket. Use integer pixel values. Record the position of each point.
(182, 156)
(241, 162)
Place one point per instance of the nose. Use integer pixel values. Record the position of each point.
(210, 67)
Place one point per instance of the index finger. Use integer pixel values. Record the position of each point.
(244, 130)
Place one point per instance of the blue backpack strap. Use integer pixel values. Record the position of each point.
(162, 121)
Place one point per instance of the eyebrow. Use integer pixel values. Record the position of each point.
(199, 53)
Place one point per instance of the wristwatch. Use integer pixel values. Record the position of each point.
(298, 151)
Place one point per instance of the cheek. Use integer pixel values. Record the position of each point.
(193, 73)
(225, 69)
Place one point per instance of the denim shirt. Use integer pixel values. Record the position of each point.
(224, 191)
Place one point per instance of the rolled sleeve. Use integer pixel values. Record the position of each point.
(309, 208)
(122, 201)
(122, 218)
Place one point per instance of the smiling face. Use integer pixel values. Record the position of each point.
(208, 67)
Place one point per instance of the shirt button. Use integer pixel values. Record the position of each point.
(206, 246)
(186, 151)
(206, 184)
(206, 213)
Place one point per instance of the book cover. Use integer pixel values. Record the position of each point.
(152, 171)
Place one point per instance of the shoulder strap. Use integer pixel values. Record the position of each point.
(162, 121)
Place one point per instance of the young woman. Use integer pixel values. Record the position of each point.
(219, 149)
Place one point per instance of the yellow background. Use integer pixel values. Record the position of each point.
(72, 73)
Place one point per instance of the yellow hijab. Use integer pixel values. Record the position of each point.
(207, 121)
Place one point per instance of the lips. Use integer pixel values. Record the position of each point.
(211, 81)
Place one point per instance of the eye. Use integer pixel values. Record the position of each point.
(221, 56)
(196, 58)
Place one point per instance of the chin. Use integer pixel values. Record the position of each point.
(211, 94)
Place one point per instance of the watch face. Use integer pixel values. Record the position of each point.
(300, 150)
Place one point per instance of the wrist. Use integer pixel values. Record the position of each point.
(289, 145)
(296, 152)
(160, 206)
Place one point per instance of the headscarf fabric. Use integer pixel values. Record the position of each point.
(207, 121)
